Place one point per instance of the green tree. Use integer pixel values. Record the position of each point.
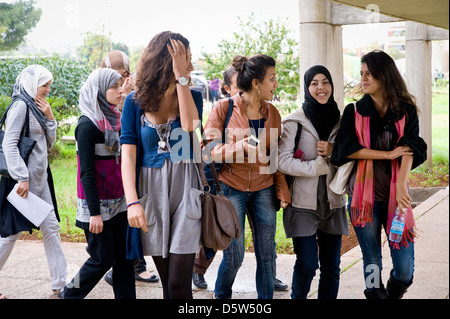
(270, 37)
(16, 20)
(93, 50)
(95, 47)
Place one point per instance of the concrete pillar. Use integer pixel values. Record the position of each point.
(321, 43)
(418, 77)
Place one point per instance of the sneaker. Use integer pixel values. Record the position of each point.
(278, 285)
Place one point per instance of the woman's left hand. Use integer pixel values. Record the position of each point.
(284, 204)
(44, 107)
(179, 56)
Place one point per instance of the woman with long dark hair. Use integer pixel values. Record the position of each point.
(156, 120)
(382, 137)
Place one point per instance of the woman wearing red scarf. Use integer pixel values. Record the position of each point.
(382, 137)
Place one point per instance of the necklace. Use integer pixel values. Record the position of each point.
(164, 129)
(251, 123)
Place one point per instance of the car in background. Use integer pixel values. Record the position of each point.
(199, 83)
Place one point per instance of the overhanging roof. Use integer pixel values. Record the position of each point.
(431, 12)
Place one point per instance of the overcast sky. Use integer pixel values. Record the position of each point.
(205, 23)
(134, 22)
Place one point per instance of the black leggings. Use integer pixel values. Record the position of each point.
(176, 275)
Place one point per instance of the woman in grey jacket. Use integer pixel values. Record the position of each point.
(31, 87)
(316, 219)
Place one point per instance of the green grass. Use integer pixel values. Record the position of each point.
(64, 173)
(440, 134)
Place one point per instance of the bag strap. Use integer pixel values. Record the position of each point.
(297, 135)
(26, 127)
(227, 118)
(210, 146)
(202, 164)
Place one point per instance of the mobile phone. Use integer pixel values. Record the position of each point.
(254, 141)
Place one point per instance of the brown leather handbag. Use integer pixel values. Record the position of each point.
(220, 223)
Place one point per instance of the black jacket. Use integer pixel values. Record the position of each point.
(347, 143)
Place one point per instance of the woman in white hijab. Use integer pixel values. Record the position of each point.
(28, 100)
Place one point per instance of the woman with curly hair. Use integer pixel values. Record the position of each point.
(157, 119)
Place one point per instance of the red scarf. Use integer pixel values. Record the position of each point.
(364, 189)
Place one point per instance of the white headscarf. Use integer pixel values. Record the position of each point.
(25, 88)
(32, 77)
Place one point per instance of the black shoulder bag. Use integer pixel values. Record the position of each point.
(25, 144)
(11, 221)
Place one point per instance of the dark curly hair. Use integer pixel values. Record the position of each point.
(155, 71)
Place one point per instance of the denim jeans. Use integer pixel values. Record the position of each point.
(322, 247)
(369, 238)
(263, 215)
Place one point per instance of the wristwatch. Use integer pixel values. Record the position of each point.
(183, 81)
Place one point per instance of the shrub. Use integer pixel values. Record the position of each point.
(68, 77)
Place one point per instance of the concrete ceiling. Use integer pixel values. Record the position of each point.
(431, 12)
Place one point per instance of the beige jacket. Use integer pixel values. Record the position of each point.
(306, 173)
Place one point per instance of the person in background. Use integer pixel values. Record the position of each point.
(317, 219)
(214, 86)
(246, 176)
(28, 97)
(165, 225)
(382, 137)
(101, 212)
(119, 61)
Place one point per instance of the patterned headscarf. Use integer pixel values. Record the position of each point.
(94, 105)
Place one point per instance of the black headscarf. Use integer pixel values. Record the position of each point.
(322, 116)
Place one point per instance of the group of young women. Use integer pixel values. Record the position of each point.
(138, 180)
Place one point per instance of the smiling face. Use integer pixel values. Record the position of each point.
(320, 88)
(114, 93)
(42, 91)
(269, 85)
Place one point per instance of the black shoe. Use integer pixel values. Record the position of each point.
(108, 277)
(152, 278)
(199, 281)
(278, 285)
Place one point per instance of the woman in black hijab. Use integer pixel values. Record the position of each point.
(319, 105)
(316, 219)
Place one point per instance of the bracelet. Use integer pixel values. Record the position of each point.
(133, 203)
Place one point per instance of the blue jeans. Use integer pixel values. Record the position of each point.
(263, 215)
(369, 238)
(322, 247)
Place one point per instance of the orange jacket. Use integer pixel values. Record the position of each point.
(255, 171)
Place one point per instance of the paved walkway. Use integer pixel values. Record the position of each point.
(26, 276)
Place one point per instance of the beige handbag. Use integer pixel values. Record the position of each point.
(339, 182)
(337, 185)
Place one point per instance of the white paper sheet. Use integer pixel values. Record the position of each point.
(33, 208)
